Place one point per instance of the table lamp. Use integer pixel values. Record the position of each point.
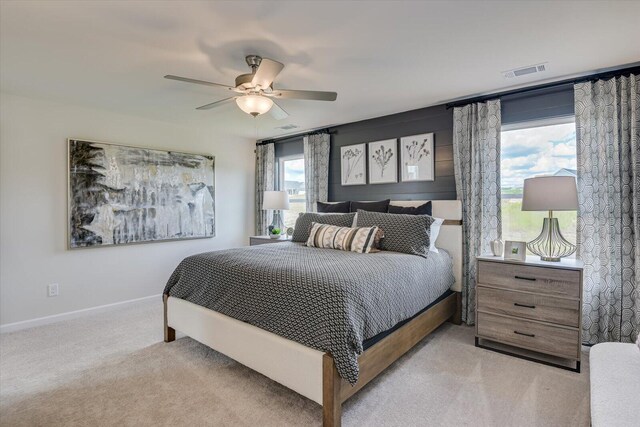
(276, 201)
(550, 193)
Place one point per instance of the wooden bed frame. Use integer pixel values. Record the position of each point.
(374, 360)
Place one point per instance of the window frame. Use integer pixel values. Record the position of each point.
(530, 124)
(281, 161)
(280, 174)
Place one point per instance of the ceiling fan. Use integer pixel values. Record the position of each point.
(255, 92)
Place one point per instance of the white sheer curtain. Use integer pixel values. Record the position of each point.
(476, 157)
(316, 169)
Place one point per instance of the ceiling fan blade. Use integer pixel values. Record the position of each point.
(266, 73)
(200, 82)
(312, 95)
(277, 112)
(216, 104)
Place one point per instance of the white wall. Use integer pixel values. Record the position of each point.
(33, 208)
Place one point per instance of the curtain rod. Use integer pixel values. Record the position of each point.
(298, 135)
(592, 77)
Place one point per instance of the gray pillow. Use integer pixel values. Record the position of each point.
(303, 223)
(417, 210)
(380, 206)
(402, 232)
(339, 207)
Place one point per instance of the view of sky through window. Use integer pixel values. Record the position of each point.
(529, 152)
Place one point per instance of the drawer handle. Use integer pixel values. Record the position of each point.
(523, 305)
(531, 279)
(525, 334)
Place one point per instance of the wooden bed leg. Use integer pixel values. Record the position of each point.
(456, 319)
(331, 385)
(169, 333)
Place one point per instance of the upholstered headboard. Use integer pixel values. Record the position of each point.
(450, 237)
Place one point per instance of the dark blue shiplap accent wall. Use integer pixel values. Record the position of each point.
(437, 119)
(517, 108)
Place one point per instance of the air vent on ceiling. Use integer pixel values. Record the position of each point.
(524, 71)
(288, 127)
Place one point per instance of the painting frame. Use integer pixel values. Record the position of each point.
(69, 226)
(417, 158)
(378, 162)
(354, 172)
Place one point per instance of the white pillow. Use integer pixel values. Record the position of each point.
(433, 234)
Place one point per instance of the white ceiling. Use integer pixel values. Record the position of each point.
(381, 57)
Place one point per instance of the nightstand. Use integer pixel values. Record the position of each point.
(533, 305)
(263, 240)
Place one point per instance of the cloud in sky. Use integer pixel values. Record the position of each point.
(536, 151)
(294, 170)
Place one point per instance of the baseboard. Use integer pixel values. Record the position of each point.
(40, 321)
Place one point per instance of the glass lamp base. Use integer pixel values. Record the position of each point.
(550, 245)
(277, 221)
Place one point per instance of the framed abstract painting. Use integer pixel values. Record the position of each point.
(120, 194)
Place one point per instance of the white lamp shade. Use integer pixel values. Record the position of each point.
(277, 200)
(254, 104)
(550, 193)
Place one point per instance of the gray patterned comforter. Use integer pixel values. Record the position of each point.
(326, 299)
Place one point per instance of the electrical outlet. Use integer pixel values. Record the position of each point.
(52, 290)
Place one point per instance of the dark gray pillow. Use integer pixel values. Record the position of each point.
(381, 206)
(338, 207)
(424, 209)
(303, 223)
(402, 233)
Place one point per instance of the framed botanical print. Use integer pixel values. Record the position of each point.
(383, 161)
(417, 157)
(353, 164)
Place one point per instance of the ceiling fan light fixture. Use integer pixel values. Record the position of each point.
(253, 92)
(254, 104)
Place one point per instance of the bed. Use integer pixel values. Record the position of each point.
(321, 322)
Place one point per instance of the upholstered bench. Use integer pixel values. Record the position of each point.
(615, 385)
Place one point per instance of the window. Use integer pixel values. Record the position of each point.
(292, 181)
(540, 148)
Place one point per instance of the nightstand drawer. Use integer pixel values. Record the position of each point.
(546, 308)
(552, 281)
(531, 335)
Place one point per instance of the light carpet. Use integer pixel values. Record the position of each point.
(113, 369)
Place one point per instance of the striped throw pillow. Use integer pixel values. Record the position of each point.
(358, 239)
